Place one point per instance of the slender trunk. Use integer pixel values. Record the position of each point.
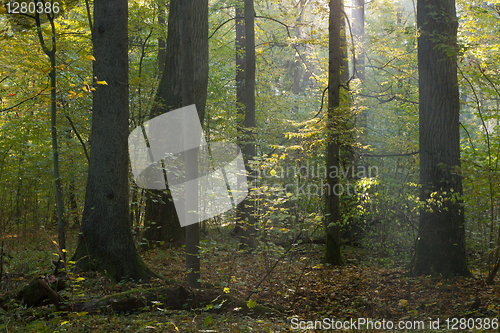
(51, 53)
(358, 30)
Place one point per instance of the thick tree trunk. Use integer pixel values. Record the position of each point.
(160, 207)
(440, 245)
(105, 242)
(189, 23)
(332, 202)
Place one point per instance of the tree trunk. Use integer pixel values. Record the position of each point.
(51, 53)
(160, 207)
(358, 30)
(246, 133)
(105, 243)
(440, 248)
(193, 19)
(332, 202)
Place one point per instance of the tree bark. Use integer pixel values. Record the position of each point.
(160, 207)
(246, 127)
(332, 200)
(105, 243)
(193, 19)
(440, 248)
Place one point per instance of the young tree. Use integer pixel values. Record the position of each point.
(51, 53)
(105, 242)
(440, 247)
(332, 207)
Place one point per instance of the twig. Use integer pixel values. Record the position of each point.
(24, 101)
(79, 137)
(275, 264)
(390, 155)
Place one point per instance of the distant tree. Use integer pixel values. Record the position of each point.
(105, 243)
(358, 30)
(440, 247)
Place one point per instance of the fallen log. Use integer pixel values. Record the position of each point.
(169, 298)
(42, 288)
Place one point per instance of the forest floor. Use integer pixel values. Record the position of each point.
(300, 286)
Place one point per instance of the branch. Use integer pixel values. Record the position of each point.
(470, 139)
(353, 51)
(90, 19)
(322, 99)
(27, 99)
(389, 155)
(293, 45)
(392, 98)
(79, 137)
(222, 24)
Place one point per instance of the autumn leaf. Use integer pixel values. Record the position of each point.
(89, 57)
(3, 10)
(102, 82)
(251, 304)
(208, 320)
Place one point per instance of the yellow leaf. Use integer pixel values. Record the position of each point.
(102, 82)
(3, 10)
(89, 57)
(226, 290)
(251, 304)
